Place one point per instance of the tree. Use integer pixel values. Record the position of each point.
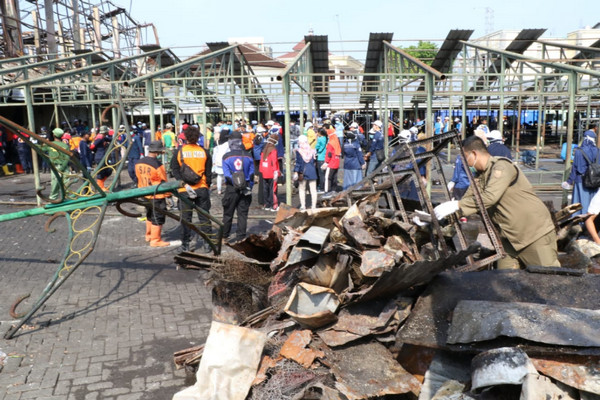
(424, 51)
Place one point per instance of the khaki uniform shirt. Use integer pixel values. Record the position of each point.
(518, 213)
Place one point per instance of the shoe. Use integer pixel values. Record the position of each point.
(6, 171)
(267, 209)
(148, 231)
(183, 248)
(302, 208)
(156, 240)
(274, 208)
(142, 219)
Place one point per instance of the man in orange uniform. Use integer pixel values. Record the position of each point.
(150, 171)
(200, 162)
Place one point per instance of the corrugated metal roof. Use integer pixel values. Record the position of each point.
(444, 58)
(449, 49)
(319, 50)
(524, 39)
(373, 64)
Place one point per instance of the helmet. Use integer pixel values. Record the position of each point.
(414, 130)
(405, 136)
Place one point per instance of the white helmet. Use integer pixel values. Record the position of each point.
(405, 136)
(414, 130)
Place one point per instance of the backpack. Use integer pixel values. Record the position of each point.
(188, 175)
(591, 177)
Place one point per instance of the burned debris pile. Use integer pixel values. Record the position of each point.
(347, 303)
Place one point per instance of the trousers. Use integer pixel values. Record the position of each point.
(235, 201)
(543, 252)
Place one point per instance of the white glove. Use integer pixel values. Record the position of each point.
(190, 191)
(445, 209)
(275, 175)
(565, 185)
(451, 186)
(324, 166)
(295, 176)
(418, 221)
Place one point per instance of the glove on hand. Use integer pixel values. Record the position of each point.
(450, 186)
(566, 186)
(445, 209)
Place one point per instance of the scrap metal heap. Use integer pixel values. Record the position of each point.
(358, 302)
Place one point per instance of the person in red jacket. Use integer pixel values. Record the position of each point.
(269, 168)
(333, 152)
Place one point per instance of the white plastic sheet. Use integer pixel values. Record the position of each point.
(229, 364)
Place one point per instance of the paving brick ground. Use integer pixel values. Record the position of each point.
(110, 331)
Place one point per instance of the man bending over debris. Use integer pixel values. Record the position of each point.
(524, 222)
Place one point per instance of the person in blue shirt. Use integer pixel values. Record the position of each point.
(376, 144)
(437, 128)
(237, 199)
(85, 153)
(354, 161)
(305, 170)
(496, 146)
(581, 194)
(339, 129)
(135, 153)
(321, 149)
(458, 125)
(100, 145)
(447, 124)
(259, 145)
(459, 183)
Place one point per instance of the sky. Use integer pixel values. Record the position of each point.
(185, 25)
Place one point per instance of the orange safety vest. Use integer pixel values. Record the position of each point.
(149, 172)
(74, 142)
(195, 157)
(248, 140)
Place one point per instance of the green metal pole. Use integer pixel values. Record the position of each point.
(34, 157)
(429, 87)
(501, 110)
(301, 118)
(539, 87)
(464, 98)
(288, 154)
(150, 94)
(202, 76)
(570, 125)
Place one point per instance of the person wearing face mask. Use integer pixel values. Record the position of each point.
(523, 221)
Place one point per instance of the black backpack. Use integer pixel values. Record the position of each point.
(591, 177)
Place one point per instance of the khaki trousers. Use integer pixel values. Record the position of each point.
(542, 252)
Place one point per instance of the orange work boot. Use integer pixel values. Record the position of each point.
(100, 183)
(148, 231)
(155, 240)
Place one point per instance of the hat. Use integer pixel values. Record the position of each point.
(235, 135)
(354, 125)
(254, 122)
(209, 125)
(308, 124)
(446, 118)
(350, 135)
(260, 129)
(139, 123)
(169, 125)
(121, 127)
(57, 132)
(156, 146)
(270, 123)
(439, 118)
(378, 123)
(405, 135)
(44, 129)
(327, 121)
(414, 130)
(104, 129)
(456, 120)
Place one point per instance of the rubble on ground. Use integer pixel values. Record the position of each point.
(346, 303)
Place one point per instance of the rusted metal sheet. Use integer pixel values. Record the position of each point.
(331, 270)
(429, 321)
(289, 241)
(582, 373)
(260, 247)
(296, 348)
(364, 319)
(312, 306)
(476, 321)
(368, 370)
(322, 217)
(309, 246)
(356, 230)
(265, 363)
(408, 275)
(318, 391)
(376, 262)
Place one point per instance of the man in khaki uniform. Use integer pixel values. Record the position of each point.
(524, 222)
